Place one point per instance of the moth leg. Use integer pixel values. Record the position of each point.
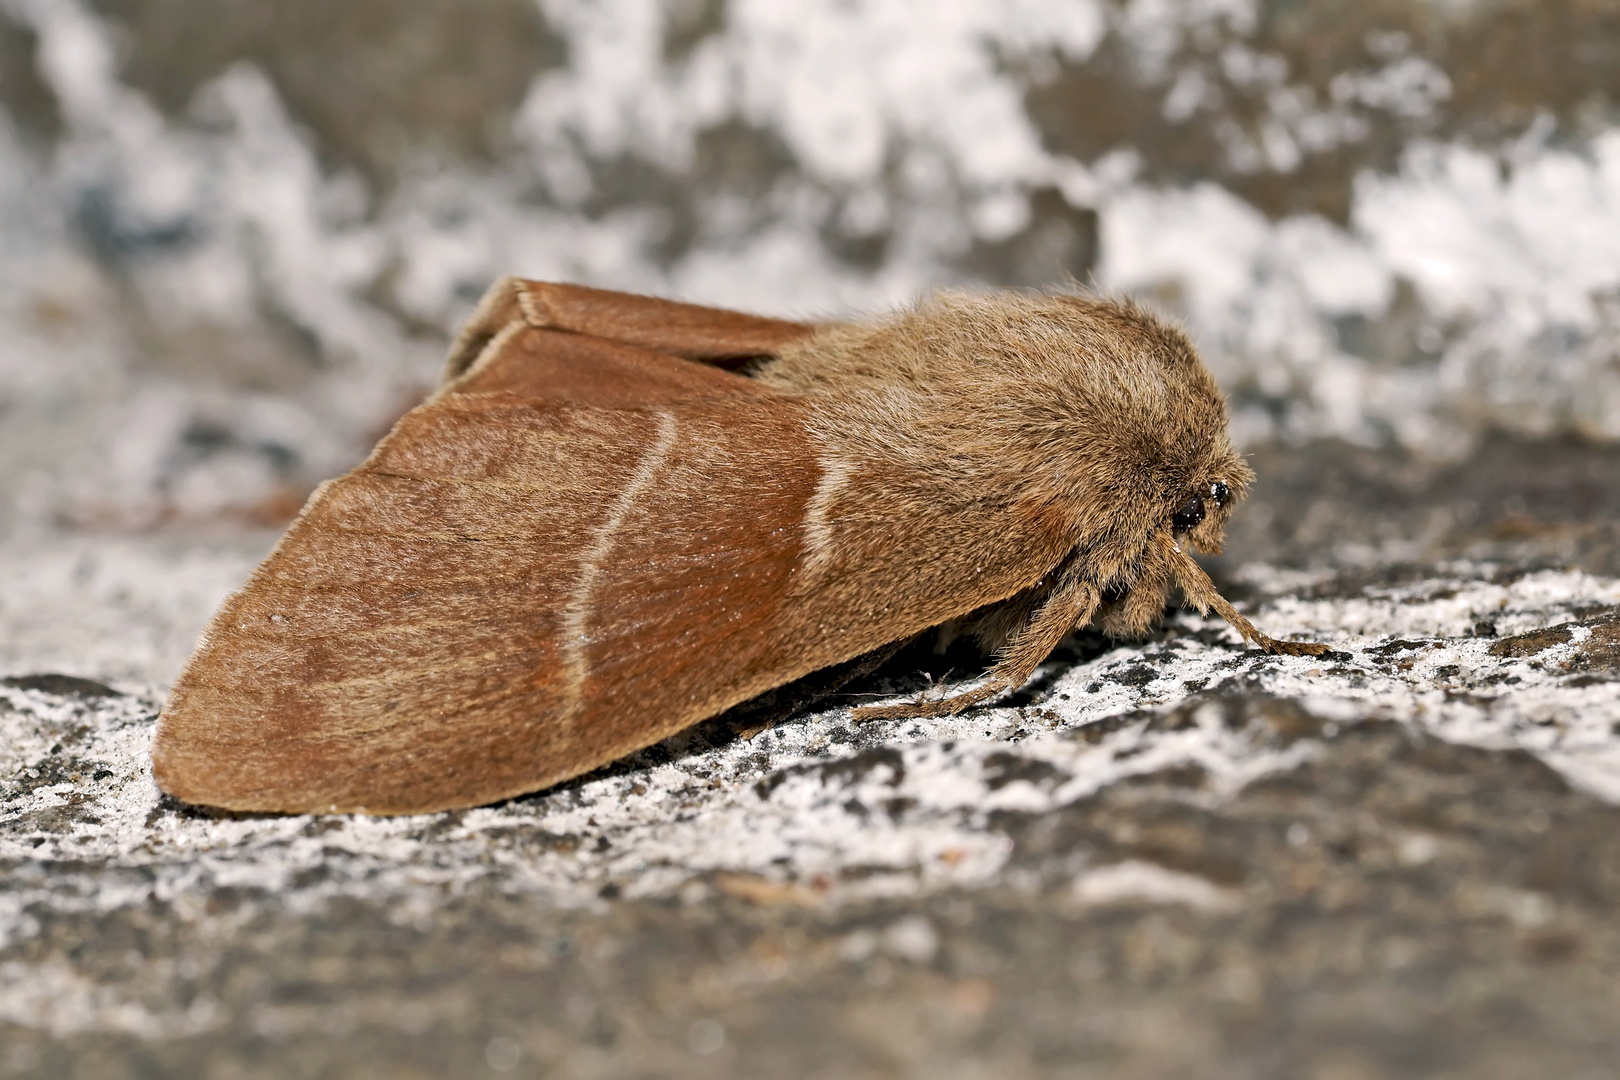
(1071, 603)
(1142, 604)
(726, 339)
(1202, 595)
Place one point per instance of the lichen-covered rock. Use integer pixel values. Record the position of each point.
(236, 237)
(1363, 860)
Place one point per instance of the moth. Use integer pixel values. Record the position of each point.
(618, 516)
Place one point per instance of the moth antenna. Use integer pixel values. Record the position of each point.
(1201, 594)
(1072, 602)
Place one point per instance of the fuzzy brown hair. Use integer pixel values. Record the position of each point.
(1094, 416)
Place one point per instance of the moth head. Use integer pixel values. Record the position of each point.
(1193, 514)
(1202, 509)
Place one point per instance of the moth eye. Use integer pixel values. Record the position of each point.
(1188, 517)
(1220, 493)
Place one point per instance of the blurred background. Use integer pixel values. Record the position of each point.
(236, 235)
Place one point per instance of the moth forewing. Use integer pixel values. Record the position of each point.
(510, 593)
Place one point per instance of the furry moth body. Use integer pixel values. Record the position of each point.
(600, 531)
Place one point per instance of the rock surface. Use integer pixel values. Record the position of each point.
(1167, 858)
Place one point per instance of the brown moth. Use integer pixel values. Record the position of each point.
(619, 516)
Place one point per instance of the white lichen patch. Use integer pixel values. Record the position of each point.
(1134, 879)
(1458, 601)
(125, 610)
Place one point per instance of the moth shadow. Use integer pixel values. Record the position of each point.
(928, 665)
(922, 665)
(742, 721)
